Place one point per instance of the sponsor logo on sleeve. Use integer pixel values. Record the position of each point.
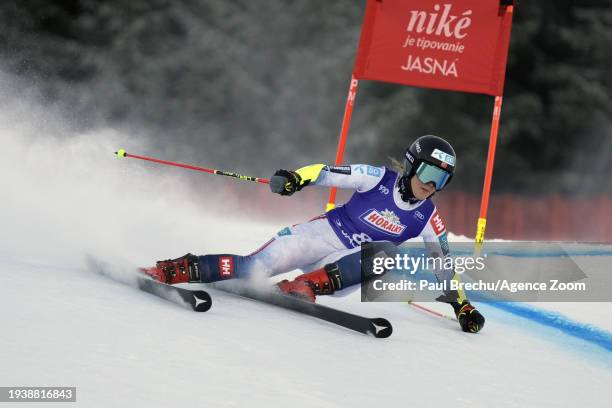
(339, 169)
(284, 231)
(444, 243)
(226, 267)
(385, 221)
(437, 223)
(373, 171)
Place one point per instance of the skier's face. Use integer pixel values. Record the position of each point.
(421, 190)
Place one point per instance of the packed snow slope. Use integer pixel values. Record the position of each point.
(67, 326)
(64, 199)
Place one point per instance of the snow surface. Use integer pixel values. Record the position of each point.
(61, 324)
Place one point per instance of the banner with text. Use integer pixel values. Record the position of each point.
(459, 45)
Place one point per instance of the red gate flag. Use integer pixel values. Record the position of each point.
(459, 45)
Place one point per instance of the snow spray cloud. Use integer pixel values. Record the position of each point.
(65, 195)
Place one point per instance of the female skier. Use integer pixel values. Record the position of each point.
(386, 206)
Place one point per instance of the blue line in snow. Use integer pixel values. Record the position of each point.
(556, 320)
(586, 332)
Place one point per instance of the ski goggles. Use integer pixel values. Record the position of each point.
(428, 173)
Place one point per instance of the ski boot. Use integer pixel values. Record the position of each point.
(470, 319)
(172, 271)
(324, 281)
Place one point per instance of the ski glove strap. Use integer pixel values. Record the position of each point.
(286, 182)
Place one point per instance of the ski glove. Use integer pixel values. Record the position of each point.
(469, 318)
(286, 182)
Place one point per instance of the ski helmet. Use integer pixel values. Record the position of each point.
(431, 159)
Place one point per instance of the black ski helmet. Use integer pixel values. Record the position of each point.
(429, 157)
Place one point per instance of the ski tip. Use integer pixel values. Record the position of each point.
(120, 153)
(201, 301)
(381, 328)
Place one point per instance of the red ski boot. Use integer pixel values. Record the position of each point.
(324, 281)
(171, 271)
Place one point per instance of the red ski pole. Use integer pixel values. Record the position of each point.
(123, 153)
(427, 310)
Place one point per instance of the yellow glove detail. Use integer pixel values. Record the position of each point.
(309, 174)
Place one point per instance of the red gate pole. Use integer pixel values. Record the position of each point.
(346, 124)
(484, 203)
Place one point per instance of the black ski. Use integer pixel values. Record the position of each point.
(198, 300)
(377, 327)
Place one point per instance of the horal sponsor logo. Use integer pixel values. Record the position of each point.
(386, 221)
